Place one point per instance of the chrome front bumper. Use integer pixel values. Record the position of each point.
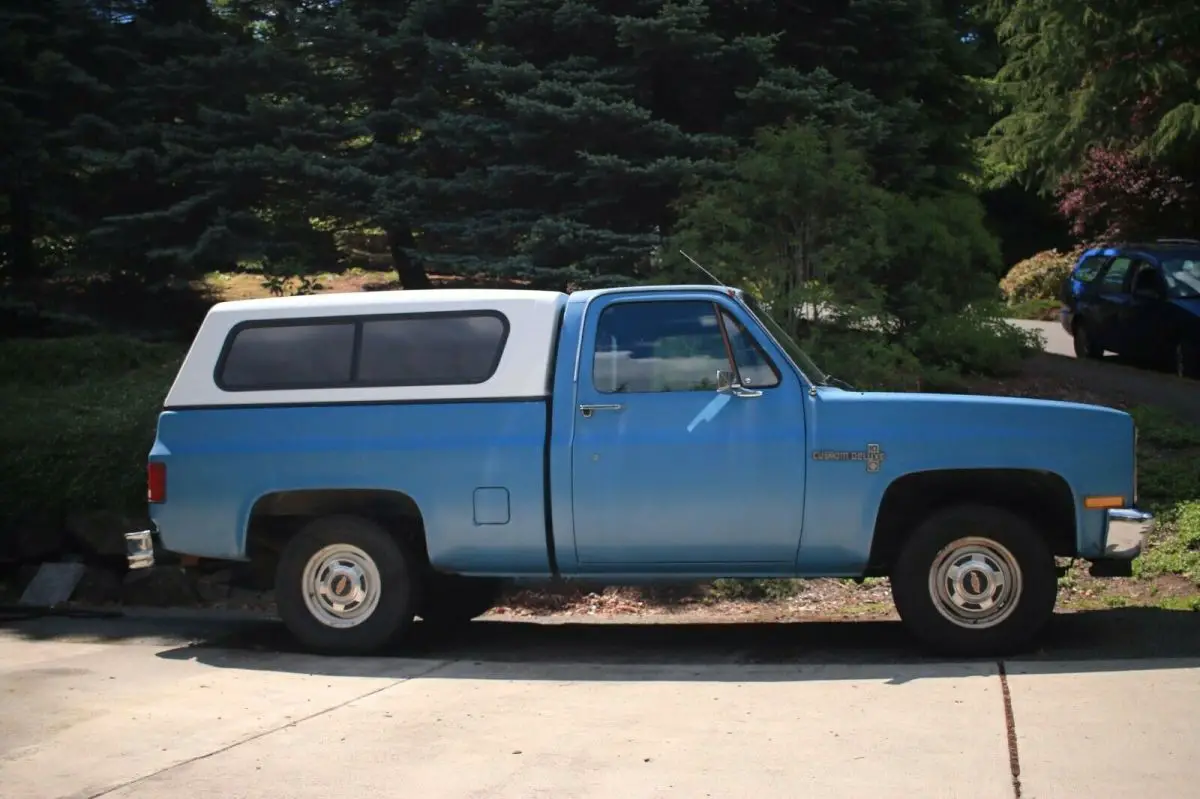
(139, 549)
(1127, 531)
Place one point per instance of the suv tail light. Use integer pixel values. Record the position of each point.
(156, 482)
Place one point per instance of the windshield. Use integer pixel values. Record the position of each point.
(784, 340)
(1183, 276)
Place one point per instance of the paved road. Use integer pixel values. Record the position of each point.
(1109, 382)
(210, 708)
(1058, 342)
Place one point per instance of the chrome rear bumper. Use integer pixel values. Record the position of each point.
(139, 549)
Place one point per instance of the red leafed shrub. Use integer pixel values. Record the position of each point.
(1117, 195)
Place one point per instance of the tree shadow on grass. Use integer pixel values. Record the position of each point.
(79, 305)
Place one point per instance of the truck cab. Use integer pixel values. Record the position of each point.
(396, 455)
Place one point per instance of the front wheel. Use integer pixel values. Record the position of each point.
(1186, 359)
(344, 585)
(975, 580)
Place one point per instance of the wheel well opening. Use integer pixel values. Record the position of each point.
(276, 517)
(1043, 498)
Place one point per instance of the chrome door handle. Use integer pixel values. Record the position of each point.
(587, 410)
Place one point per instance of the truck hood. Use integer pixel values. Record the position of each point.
(1086, 444)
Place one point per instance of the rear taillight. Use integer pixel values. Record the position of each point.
(156, 482)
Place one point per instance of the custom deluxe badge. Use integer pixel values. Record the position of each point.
(873, 456)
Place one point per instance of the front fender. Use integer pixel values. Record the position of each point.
(862, 442)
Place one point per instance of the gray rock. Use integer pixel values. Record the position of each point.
(53, 584)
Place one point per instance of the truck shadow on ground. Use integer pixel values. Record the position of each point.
(1127, 639)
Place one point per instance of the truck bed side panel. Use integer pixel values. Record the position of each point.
(475, 470)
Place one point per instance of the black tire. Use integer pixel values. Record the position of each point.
(1185, 358)
(452, 601)
(398, 586)
(1085, 345)
(1012, 541)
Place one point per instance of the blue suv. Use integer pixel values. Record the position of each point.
(1141, 301)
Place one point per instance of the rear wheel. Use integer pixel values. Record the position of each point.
(1085, 345)
(1186, 358)
(344, 585)
(975, 580)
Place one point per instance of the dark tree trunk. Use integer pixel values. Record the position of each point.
(22, 264)
(410, 272)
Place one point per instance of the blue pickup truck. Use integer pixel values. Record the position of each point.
(399, 455)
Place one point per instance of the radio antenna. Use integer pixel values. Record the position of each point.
(702, 269)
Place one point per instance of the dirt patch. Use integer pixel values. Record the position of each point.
(822, 598)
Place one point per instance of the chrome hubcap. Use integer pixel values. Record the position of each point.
(341, 586)
(975, 583)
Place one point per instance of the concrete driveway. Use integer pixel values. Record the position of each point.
(1058, 341)
(214, 707)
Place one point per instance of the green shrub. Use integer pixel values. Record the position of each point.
(866, 359)
(1040, 310)
(976, 342)
(771, 590)
(1038, 277)
(1169, 485)
(79, 421)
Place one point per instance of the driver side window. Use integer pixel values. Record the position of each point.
(658, 346)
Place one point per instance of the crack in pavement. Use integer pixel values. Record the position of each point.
(256, 736)
(1010, 725)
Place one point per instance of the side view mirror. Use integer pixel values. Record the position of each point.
(727, 384)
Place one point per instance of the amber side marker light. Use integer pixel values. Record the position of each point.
(1103, 502)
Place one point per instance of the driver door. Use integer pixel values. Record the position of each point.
(669, 472)
(1144, 320)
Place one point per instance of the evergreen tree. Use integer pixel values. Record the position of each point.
(1099, 73)
(586, 119)
(896, 75)
(207, 152)
(384, 72)
(50, 70)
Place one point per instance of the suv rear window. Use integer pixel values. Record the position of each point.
(428, 349)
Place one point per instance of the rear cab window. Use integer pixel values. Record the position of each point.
(419, 349)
